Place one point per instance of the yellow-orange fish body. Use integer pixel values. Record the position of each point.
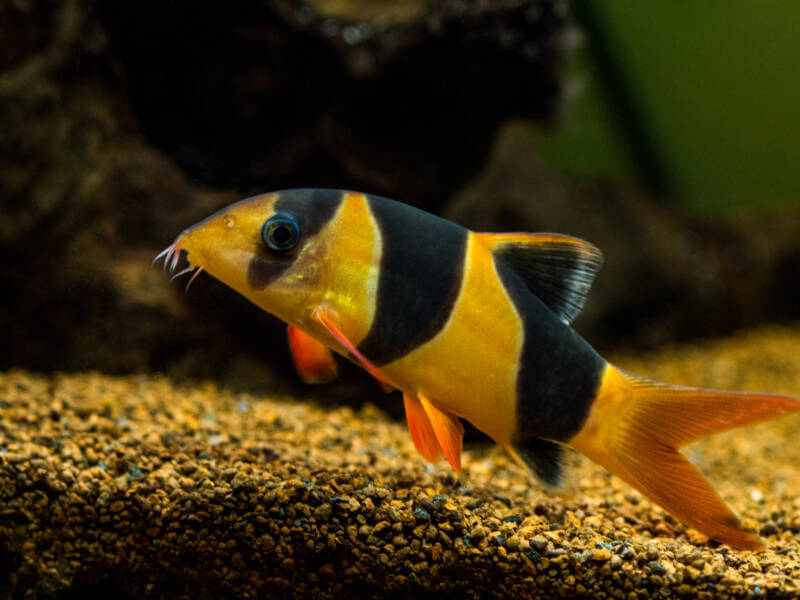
(468, 325)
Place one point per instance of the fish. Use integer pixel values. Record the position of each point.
(473, 326)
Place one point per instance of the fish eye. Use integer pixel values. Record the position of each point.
(281, 232)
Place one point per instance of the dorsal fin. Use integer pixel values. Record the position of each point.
(559, 269)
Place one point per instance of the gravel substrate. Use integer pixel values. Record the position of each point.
(136, 487)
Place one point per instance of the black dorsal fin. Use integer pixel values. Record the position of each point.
(559, 269)
(543, 458)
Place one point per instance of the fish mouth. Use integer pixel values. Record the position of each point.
(171, 255)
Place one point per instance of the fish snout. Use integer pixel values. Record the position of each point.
(172, 253)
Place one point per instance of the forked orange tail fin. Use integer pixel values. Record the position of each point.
(636, 426)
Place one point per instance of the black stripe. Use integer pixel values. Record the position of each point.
(422, 265)
(559, 372)
(262, 271)
(312, 209)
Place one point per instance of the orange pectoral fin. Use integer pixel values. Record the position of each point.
(419, 425)
(448, 431)
(325, 319)
(313, 361)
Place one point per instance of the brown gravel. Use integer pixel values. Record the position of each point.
(136, 487)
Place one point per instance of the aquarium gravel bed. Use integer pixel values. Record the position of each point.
(139, 487)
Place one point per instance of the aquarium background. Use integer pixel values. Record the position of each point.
(157, 443)
(665, 134)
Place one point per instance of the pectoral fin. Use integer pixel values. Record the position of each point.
(448, 431)
(327, 321)
(313, 361)
(419, 425)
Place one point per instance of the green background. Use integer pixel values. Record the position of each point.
(716, 86)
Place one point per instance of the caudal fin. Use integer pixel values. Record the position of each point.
(636, 426)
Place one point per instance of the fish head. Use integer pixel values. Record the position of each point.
(269, 248)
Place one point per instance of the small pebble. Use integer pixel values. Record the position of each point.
(323, 512)
(601, 555)
(769, 528)
(539, 543)
(656, 567)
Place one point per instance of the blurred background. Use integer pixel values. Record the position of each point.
(664, 132)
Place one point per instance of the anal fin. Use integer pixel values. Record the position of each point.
(543, 458)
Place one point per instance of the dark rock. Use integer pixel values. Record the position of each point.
(123, 124)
